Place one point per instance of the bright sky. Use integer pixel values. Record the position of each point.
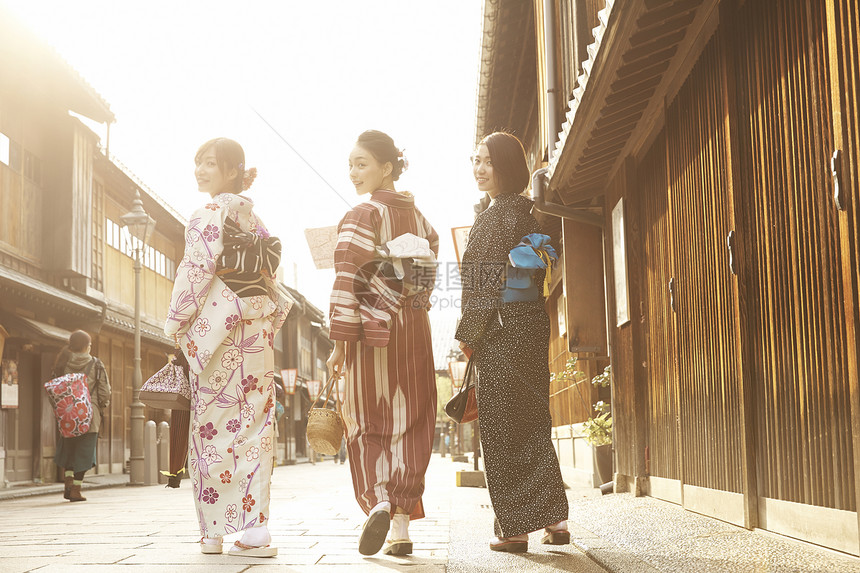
(179, 73)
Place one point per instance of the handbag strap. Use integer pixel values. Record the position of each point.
(467, 377)
(327, 390)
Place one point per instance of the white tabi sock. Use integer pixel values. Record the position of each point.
(257, 536)
(381, 506)
(399, 527)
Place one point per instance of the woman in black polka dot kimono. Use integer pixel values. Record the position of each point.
(511, 345)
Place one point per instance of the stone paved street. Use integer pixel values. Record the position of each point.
(315, 524)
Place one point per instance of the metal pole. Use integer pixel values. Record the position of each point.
(476, 444)
(549, 63)
(290, 424)
(137, 418)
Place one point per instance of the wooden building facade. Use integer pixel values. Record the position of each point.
(704, 157)
(66, 264)
(304, 346)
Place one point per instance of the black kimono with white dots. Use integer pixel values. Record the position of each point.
(511, 341)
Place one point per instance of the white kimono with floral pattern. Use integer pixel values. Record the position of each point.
(229, 344)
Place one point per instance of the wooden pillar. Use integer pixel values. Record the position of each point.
(735, 244)
(635, 272)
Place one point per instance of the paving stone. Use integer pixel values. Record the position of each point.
(24, 564)
(144, 568)
(316, 523)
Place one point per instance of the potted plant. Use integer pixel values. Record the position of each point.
(597, 429)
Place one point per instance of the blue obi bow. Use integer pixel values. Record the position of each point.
(532, 253)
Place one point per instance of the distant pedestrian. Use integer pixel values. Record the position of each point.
(511, 345)
(382, 343)
(224, 313)
(77, 455)
(341, 455)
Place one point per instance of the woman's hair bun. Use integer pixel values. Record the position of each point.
(382, 147)
(248, 178)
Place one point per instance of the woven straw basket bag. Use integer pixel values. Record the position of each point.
(325, 426)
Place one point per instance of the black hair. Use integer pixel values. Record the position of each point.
(228, 155)
(509, 162)
(382, 147)
(79, 341)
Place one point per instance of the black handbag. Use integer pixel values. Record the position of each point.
(463, 406)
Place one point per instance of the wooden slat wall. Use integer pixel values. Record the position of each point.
(847, 29)
(559, 404)
(79, 249)
(571, 402)
(31, 214)
(708, 377)
(580, 294)
(804, 446)
(663, 440)
(10, 219)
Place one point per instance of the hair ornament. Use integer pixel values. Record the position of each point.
(402, 155)
(248, 178)
(241, 166)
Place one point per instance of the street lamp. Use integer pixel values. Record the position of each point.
(140, 227)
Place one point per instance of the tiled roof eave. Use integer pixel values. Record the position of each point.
(103, 113)
(591, 67)
(122, 168)
(118, 321)
(20, 282)
(639, 49)
(485, 72)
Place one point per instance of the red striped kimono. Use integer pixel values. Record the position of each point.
(390, 405)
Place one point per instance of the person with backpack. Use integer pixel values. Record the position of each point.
(78, 454)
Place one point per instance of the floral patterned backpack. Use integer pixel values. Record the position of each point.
(70, 397)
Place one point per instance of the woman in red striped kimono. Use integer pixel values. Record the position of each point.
(385, 270)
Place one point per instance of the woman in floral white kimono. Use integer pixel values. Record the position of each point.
(228, 342)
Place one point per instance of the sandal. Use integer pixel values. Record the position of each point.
(556, 534)
(374, 531)
(239, 549)
(398, 547)
(555, 537)
(210, 548)
(515, 544)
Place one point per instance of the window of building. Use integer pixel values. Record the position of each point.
(305, 362)
(120, 239)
